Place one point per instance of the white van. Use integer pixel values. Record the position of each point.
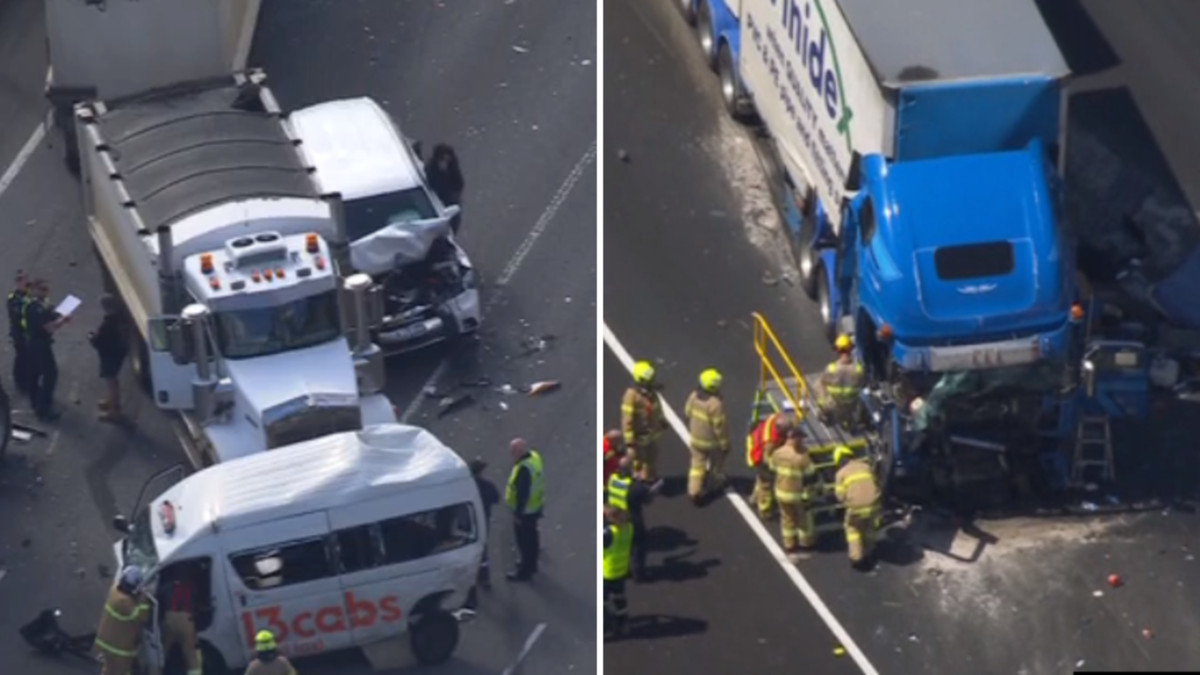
(400, 232)
(343, 541)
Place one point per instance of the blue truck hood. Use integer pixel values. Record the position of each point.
(962, 207)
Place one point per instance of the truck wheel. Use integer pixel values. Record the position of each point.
(434, 637)
(731, 90)
(688, 9)
(706, 35)
(806, 256)
(825, 303)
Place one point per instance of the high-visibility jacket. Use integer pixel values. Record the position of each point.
(532, 462)
(794, 471)
(616, 554)
(705, 413)
(843, 381)
(855, 485)
(763, 441)
(611, 460)
(276, 666)
(618, 491)
(121, 623)
(642, 418)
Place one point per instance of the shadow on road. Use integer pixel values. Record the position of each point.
(664, 539)
(658, 626)
(681, 568)
(1080, 40)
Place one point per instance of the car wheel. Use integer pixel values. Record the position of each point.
(706, 35)
(825, 303)
(434, 637)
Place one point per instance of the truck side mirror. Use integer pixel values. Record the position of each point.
(854, 173)
(183, 350)
(120, 524)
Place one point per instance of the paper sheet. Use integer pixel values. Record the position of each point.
(68, 306)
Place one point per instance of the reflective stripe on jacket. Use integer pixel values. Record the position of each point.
(616, 554)
(855, 485)
(763, 441)
(641, 417)
(705, 413)
(537, 485)
(794, 470)
(121, 622)
(843, 381)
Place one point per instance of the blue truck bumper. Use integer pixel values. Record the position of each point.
(1045, 346)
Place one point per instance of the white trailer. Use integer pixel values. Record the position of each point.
(212, 232)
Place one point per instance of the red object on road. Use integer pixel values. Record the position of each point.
(1114, 580)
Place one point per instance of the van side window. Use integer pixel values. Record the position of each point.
(427, 533)
(292, 563)
(357, 549)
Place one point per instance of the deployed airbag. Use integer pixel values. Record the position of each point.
(397, 244)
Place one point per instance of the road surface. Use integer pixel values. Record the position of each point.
(690, 251)
(512, 87)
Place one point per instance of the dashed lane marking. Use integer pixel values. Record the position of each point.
(756, 526)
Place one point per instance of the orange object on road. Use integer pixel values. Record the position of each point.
(1114, 580)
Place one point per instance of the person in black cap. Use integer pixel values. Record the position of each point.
(445, 178)
(490, 496)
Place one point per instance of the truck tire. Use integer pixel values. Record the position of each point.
(825, 302)
(731, 88)
(806, 254)
(706, 35)
(434, 637)
(688, 9)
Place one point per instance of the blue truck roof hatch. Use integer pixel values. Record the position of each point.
(951, 39)
(978, 235)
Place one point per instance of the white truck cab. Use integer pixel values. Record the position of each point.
(398, 229)
(349, 540)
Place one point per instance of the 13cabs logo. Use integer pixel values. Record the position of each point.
(331, 619)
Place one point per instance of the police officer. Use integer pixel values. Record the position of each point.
(618, 544)
(840, 385)
(17, 299)
(642, 421)
(267, 659)
(857, 490)
(795, 472)
(40, 322)
(709, 440)
(628, 493)
(125, 613)
(525, 495)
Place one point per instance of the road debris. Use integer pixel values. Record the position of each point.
(1097, 594)
(506, 389)
(103, 571)
(623, 155)
(3, 573)
(839, 651)
(769, 279)
(451, 404)
(545, 387)
(536, 344)
(912, 637)
(1147, 633)
(503, 405)
(1115, 580)
(520, 49)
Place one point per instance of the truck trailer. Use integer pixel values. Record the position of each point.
(229, 263)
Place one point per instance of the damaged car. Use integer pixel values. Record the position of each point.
(400, 232)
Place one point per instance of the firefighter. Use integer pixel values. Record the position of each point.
(858, 491)
(126, 613)
(628, 493)
(841, 383)
(709, 443)
(642, 421)
(613, 452)
(760, 445)
(794, 477)
(17, 300)
(179, 621)
(267, 659)
(618, 545)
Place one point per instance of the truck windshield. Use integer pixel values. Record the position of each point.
(139, 548)
(248, 333)
(370, 214)
(974, 261)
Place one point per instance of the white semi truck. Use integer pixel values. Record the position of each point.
(211, 230)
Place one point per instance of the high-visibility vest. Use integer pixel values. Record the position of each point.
(537, 484)
(764, 433)
(616, 556)
(618, 491)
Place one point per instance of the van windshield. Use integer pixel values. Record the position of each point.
(138, 548)
(368, 215)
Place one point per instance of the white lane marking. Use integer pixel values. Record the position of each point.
(756, 526)
(10, 174)
(514, 264)
(533, 637)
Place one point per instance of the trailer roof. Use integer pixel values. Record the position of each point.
(181, 151)
(953, 39)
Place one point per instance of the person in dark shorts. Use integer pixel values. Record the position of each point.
(111, 342)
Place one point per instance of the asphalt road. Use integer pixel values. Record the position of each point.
(518, 104)
(691, 249)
